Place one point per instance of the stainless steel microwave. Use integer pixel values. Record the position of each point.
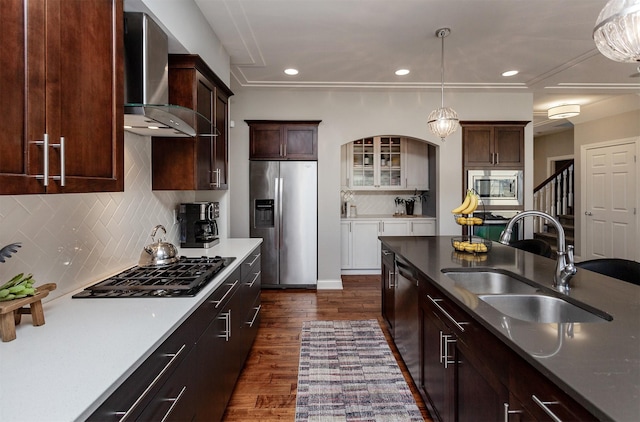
(497, 187)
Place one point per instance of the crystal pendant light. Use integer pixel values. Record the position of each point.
(617, 30)
(444, 120)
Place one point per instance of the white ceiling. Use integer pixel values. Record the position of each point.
(360, 44)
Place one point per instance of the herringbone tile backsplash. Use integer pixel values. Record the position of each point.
(76, 239)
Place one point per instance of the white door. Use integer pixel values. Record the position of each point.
(417, 165)
(365, 244)
(423, 228)
(610, 202)
(394, 228)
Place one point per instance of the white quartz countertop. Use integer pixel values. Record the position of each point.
(63, 370)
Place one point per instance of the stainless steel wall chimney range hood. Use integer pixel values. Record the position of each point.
(146, 93)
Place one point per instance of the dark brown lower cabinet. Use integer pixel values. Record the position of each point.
(458, 383)
(218, 358)
(539, 399)
(468, 374)
(176, 399)
(388, 288)
(481, 397)
(191, 375)
(438, 377)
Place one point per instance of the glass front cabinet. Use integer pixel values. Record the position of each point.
(376, 163)
(386, 163)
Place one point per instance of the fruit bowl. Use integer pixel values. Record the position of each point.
(471, 244)
(468, 220)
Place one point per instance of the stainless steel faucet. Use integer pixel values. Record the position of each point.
(564, 263)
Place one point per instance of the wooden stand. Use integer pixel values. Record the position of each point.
(11, 311)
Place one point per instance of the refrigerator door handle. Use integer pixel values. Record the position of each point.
(277, 211)
(280, 213)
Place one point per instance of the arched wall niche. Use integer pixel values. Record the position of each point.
(383, 201)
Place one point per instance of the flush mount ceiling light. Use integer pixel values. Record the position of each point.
(402, 72)
(291, 71)
(509, 73)
(444, 120)
(617, 30)
(563, 111)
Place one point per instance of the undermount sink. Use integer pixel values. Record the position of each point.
(543, 309)
(488, 281)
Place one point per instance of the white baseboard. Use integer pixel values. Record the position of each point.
(361, 272)
(329, 285)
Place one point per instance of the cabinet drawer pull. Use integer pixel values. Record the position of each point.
(216, 183)
(226, 334)
(254, 260)
(218, 302)
(508, 412)
(255, 315)
(250, 284)
(391, 279)
(151, 385)
(446, 340)
(175, 401)
(544, 406)
(386, 252)
(45, 152)
(457, 324)
(60, 146)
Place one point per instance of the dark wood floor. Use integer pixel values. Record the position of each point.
(266, 389)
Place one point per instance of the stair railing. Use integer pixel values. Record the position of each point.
(554, 195)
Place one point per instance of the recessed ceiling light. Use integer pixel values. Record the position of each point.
(402, 72)
(291, 71)
(510, 73)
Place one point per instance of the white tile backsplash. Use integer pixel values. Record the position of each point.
(76, 239)
(380, 203)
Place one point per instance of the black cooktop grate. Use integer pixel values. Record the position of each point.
(183, 278)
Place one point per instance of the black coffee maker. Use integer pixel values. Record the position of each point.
(198, 227)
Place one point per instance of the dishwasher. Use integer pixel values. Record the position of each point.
(407, 327)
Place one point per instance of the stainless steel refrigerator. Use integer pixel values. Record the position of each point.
(284, 213)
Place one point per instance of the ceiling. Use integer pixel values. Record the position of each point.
(359, 44)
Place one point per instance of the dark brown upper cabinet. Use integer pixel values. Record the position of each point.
(62, 91)
(202, 162)
(283, 140)
(493, 144)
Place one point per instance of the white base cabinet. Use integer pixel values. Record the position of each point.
(359, 238)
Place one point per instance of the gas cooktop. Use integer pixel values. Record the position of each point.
(184, 278)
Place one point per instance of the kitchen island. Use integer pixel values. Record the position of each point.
(65, 369)
(597, 364)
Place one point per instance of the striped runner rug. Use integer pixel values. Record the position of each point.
(348, 373)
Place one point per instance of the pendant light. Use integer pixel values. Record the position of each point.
(444, 120)
(617, 31)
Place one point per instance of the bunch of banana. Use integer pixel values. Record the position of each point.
(469, 221)
(469, 246)
(18, 287)
(469, 205)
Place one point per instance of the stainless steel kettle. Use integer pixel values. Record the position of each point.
(160, 252)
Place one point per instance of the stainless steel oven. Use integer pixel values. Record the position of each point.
(497, 187)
